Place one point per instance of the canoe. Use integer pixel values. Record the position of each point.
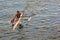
(17, 23)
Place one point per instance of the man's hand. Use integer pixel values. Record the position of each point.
(12, 20)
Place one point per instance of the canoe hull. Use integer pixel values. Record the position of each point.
(17, 23)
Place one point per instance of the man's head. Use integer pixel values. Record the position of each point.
(17, 11)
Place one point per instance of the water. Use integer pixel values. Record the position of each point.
(44, 24)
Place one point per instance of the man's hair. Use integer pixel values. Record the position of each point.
(17, 11)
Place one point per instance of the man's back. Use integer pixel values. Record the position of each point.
(18, 15)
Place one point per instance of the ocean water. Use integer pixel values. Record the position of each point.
(43, 25)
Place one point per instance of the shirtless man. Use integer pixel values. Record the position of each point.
(15, 19)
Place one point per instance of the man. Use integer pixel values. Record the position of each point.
(15, 19)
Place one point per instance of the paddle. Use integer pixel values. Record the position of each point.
(29, 19)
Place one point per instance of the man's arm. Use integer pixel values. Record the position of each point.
(12, 19)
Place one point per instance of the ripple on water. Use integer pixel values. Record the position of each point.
(40, 27)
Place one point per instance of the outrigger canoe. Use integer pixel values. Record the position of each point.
(17, 23)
